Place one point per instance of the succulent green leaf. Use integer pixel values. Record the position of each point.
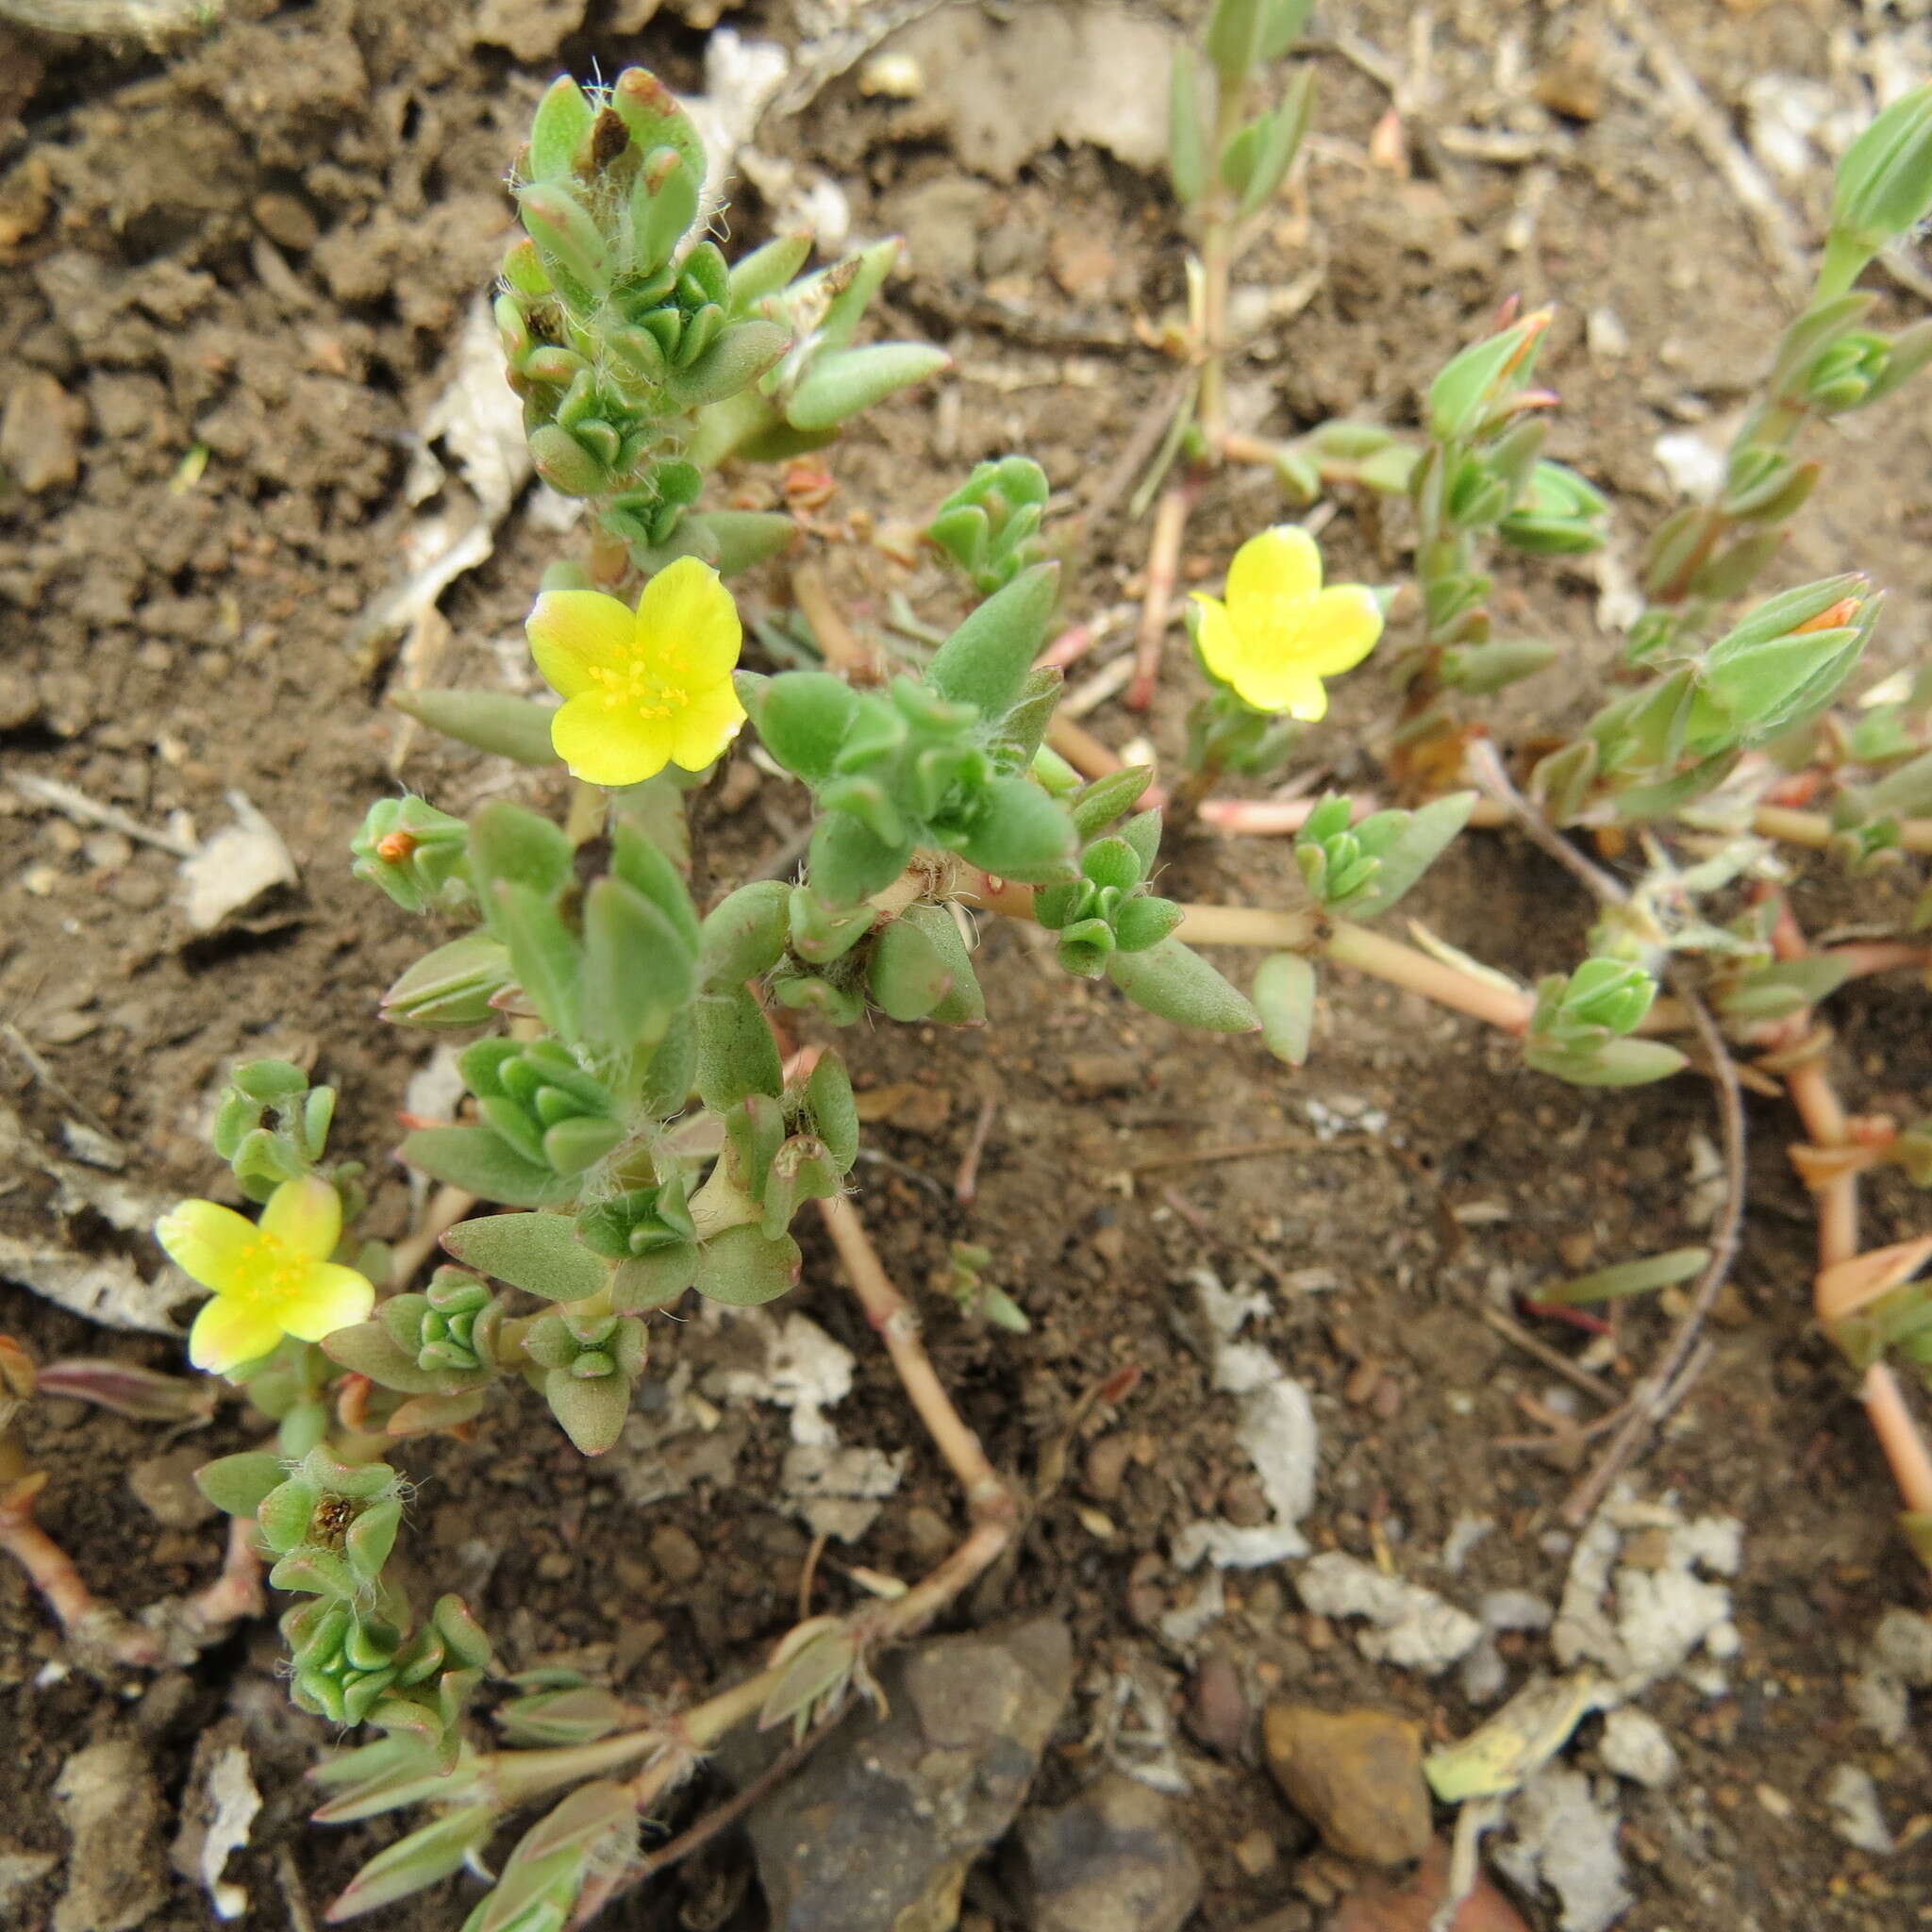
(834, 1110)
(908, 978)
(1421, 842)
(842, 383)
(538, 1253)
(421, 1859)
(642, 865)
(491, 721)
(1285, 998)
(984, 662)
(237, 1484)
(1177, 984)
(481, 1163)
(735, 359)
(564, 116)
(1279, 141)
(1020, 833)
(736, 1054)
(589, 1409)
(849, 863)
(508, 844)
(544, 953)
(1186, 136)
(743, 1269)
(766, 270)
(637, 971)
(1628, 1277)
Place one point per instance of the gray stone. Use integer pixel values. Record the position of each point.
(875, 1833)
(1110, 1860)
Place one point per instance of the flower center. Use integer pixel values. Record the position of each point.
(271, 1274)
(641, 686)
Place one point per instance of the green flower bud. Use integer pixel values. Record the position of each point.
(416, 854)
(1561, 515)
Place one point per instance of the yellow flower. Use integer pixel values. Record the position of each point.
(641, 689)
(269, 1278)
(1279, 634)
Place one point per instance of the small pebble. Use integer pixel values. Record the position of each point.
(677, 1558)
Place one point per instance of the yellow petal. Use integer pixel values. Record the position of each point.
(1279, 563)
(1214, 638)
(1290, 687)
(1338, 630)
(606, 744)
(304, 1215)
(229, 1331)
(701, 729)
(330, 1297)
(687, 615)
(571, 631)
(205, 1242)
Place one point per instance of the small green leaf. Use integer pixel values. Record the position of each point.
(843, 383)
(544, 953)
(1426, 836)
(745, 935)
(736, 1054)
(1628, 1277)
(237, 1484)
(1285, 998)
(538, 1253)
(453, 986)
(418, 1860)
(984, 662)
(1021, 833)
(1177, 984)
(1096, 806)
(508, 844)
(636, 970)
(906, 976)
(491, 720)
(591, 1410)
(563, 118)
(478, 1161)
(743, 1269)
(803, 717)
(1187, 138)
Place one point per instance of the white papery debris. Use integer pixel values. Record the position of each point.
(1694, 464)
(1641, 1624)
(1851, 1796)
(222, 1805)
(235, 870)
(1563, 1840)
(1275, 1425)
(1413, 1626)
(1634, 1746)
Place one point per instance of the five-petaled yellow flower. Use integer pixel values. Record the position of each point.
(270, 1279)
(1279, 633)
(640, 688)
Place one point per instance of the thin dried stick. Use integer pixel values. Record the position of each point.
(445, 1209)
(892, 1315)
(966, 1184)
(836, 638)
(1552, 1359)
(1163, 570)
(1649, 1401)
(93, 1627)
(727, 1814)
(1491, 775)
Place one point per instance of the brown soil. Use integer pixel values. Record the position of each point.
(264, 246)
